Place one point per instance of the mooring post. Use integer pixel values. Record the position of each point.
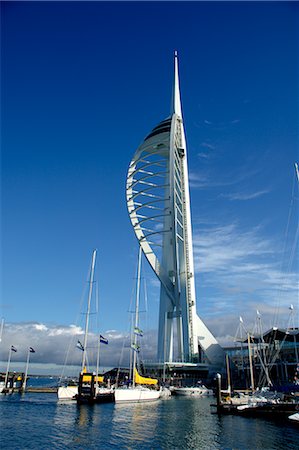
(218, 391)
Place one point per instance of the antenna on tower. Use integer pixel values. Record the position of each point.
(176, 96)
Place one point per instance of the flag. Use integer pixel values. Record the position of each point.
(138, 331)
(241, 320)
(13, 348)
(135, 347)
(80, 346)
(103, 340)
(31, 350)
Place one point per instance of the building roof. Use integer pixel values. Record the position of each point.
(278, 334)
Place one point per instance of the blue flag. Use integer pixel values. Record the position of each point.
(80, 346)
(31, 350)
(103, 340)
(13, 349)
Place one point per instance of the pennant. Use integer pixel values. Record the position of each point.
(135, 347)
(31, 350)
(138, 332)
(103, 340)
(13, 349)
(80, 346)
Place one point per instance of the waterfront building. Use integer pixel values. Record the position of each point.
(274, 352)
(159, 208)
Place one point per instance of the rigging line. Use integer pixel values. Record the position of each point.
(287, 271)
(145, 302)
(235, 340)
(74, 336)
(97, 330)
(275, 352)
(279, 294)
(130, 321)
(120, 359)
(293, 249)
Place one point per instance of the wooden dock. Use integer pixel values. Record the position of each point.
(42, 390)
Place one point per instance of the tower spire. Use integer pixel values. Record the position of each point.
(176, 106)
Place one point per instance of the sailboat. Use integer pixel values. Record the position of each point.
(139, 390)
(88, 388)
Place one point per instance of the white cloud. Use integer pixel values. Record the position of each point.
(198, 180)
(71, 330)
(220, 248)
(203, 155)
(245, 196)
(40, 327)
(238, 272)
(56, 346)
(204, 179)
(208, 145)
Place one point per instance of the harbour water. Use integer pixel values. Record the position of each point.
(38, 421)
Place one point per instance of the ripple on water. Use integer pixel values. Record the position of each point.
(39, 422)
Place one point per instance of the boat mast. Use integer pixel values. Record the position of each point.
(1, 329)
(7, 369)
(137, 312)
(250, 363)
(99, 339)
(26, 370)
(93, 262)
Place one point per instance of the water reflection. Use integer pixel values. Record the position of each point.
(188, 423)
(135, 423)
(82, 426)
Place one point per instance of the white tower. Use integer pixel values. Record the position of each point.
(159, 208)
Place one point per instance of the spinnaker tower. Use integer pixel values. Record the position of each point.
(159, 208)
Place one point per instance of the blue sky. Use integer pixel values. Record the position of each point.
(82, 85)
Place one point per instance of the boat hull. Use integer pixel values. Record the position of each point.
(193, 392)
(135, 395)
(67, 392)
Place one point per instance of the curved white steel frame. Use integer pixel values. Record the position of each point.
(159, 208)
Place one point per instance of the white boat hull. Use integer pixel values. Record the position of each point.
(193, 391)
(135, 395)
(165, 392)
(295, 417)
(67, 392)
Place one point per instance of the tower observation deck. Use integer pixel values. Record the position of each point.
(159, 208)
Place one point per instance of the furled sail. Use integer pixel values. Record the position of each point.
(143, 380)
